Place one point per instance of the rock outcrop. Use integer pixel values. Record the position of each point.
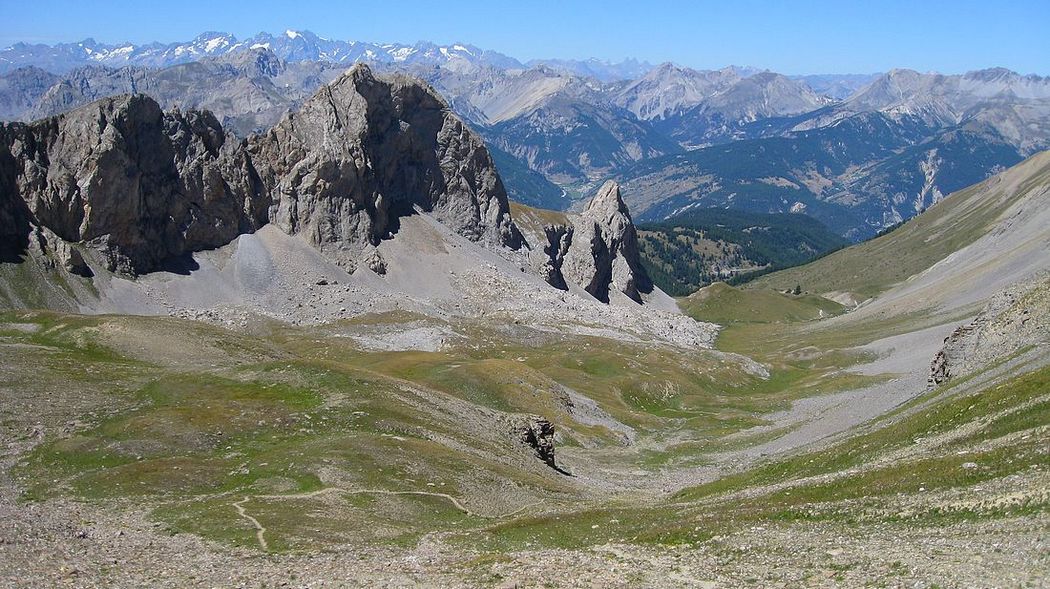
(602, 253)
(1012, 320)
(557, 241)
(538, 434)
(60, 252)
(364, 152)
(139, 186)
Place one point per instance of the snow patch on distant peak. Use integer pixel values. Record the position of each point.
(121, 52)
(261, 46)
(215, 43)
(402, 53)
(292, 34)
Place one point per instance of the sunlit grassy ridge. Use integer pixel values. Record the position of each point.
(870, 268)
(724, 304)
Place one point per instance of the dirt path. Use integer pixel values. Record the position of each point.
(260, 532)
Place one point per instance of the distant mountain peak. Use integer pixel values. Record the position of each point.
(991, 74)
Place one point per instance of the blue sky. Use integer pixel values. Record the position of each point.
(790, 37)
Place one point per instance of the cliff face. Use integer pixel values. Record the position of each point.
(364, 152)
(140, 186)
(136, 184)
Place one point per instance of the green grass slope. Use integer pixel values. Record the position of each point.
(946, 462)
(872, 267)
(191, 421)
(726, 305)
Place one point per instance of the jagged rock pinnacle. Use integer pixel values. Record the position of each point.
(603, 253)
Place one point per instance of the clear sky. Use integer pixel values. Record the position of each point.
(797, 37)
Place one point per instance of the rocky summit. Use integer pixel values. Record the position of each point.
(364, 152)
(140, 187)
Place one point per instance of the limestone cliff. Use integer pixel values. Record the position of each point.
(140, 187)
(135, 184)
(364, 152)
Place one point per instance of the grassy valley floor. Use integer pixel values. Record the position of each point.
(276, 454)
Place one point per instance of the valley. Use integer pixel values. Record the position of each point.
(448, 319)
(711, 245)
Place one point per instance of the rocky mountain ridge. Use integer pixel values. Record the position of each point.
(696, 108)
(140, 186)
(295, 46)
(248, 91)
(571, 121)
(373, 183)
(672, 135)
(136, 185)
(858, 176)
(1016, 107)
(291, 46)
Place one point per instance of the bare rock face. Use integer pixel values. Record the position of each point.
(62, 253)
(538, 434)
(364, 152)
(603, 252)
(376, 263)
(1012, 320)
(137, 185)
(558, 239)
(14, 214)
(140, 187)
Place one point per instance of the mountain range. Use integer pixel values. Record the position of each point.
(858, 152)
(289, 46)
(120, 188)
